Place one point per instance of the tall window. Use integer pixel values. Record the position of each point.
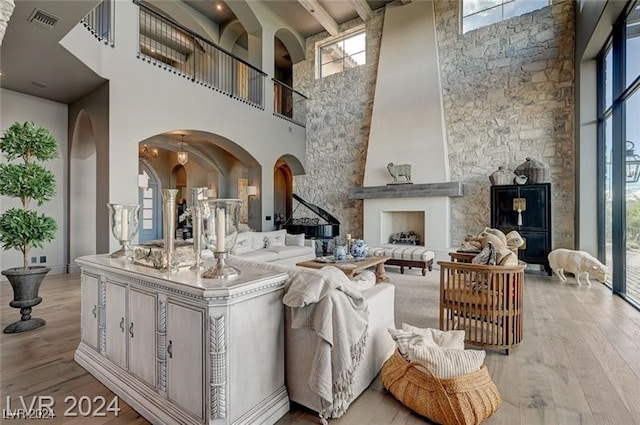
(345, 53)
(480, 13)
(619, 154)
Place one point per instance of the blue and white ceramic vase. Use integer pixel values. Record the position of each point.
(340, 253)
(359, 249)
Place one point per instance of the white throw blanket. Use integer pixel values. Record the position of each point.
(326, 301)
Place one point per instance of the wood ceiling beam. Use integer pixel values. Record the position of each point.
(363, 9)
(321, 15)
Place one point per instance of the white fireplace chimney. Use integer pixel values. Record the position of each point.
(407, 127)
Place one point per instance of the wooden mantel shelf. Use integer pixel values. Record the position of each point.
(450, 189)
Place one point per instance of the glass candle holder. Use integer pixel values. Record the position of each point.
(220, 219)
(124, 226)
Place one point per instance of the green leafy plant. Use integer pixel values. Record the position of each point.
(24, 145)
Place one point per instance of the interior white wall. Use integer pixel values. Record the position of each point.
(138, 111)
(53, 116)
(95, 108)
(407, 124)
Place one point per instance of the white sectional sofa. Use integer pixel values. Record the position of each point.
(275, 246)
(301, 342)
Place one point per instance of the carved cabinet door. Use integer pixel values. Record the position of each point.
(116, 323)
(142, 335)
(89, 313)
(185, 357)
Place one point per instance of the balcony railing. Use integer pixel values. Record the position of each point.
(288, 103)
(175, 48)
(101, 22)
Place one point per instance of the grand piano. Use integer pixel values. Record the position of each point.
(311, 227)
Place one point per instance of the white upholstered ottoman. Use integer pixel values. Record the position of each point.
(404, 256)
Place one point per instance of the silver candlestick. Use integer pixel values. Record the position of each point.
(220, 268)
(169, 228)
(221, 229)
(197, 194)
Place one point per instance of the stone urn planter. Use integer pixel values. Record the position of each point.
(26, 284)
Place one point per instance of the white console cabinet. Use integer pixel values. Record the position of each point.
(185, 350)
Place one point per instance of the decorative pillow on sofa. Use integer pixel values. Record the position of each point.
(436, 337)
(448, 363)
(506, 257)
(514, 239)
(275, 238)
(243, 243)
(486, 256)
(294, 240)
(502, 238)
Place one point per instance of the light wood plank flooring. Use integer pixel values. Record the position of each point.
(579, 362)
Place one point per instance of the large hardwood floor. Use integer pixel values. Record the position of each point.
(579, 362)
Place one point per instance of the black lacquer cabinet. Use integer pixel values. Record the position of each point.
(533, 221)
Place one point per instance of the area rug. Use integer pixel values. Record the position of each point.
(417, 297)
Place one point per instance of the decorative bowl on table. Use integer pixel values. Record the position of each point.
(359, 249)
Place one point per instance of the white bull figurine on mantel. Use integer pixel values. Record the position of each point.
(399, 170)
(578, 263)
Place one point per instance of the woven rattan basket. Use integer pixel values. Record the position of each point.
(464, 400)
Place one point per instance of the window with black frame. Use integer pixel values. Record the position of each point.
(619, 154)
(339, 55)
(480, 13)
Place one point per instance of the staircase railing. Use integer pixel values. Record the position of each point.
(170, 45)
(288, 103)
(101, 22)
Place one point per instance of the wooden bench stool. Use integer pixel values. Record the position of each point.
(404, 256)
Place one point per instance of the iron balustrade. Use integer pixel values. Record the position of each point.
(175, 48)
(288, 103)
(101, 22)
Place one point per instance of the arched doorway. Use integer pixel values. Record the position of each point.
(151, 201)
(179, 177)
(282, 191)
(82, 189)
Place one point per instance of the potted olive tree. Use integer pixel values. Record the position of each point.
(24, 146)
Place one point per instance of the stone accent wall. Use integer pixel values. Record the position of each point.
(508, 92)
(338, 120)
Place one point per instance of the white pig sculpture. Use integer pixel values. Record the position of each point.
(576, 262)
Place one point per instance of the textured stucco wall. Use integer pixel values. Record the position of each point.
(508, 92)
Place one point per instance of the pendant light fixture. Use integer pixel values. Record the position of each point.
(183, 156)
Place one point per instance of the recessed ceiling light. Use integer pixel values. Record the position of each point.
(219, 6)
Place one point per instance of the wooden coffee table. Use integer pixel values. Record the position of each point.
(353, 267)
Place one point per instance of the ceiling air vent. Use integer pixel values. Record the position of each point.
(43, 19)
